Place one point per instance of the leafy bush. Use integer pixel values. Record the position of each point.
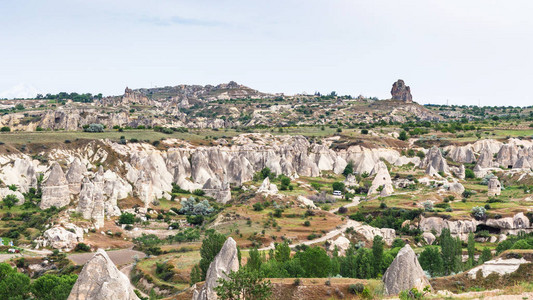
(94, 128)
(126, 218)
(82, 247)
(190, 207)
(479, 212)
(356, 289)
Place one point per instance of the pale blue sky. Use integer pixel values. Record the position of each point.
(459, 50)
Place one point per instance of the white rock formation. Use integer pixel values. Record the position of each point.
(63, 238)
(75, 174)
(404, 273)
(381, 181)
(435, 159)
(225, 262)
(499, 266)
(495, 187)
(101, 280)
(55, 189)
(268, 188)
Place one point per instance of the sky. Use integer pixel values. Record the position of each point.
(463, 52)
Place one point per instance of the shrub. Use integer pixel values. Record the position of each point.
(338, 186)
(356, 289)
(82, 247)
(307, 223)
(5, 129)
(258, 206)
(94, 128)
(126, 218)
(198, 192)
(479, 212)
(469, 174)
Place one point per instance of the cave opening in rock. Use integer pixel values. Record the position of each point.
(490, 229)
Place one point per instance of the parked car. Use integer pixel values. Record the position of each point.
(337, 193)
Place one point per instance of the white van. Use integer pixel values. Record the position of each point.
(337, 193)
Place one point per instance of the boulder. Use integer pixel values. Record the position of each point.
(55, 190)
(507, 156)
(350, 180)
(63, 238)
(101, 280)
(404, 273)
(6, 191)
(401, 92)
(456, 188)
(225, 262)
(341, 243)
(267, 187)
(522, 163)
(429, 237)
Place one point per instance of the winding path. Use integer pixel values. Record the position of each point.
(331, 234)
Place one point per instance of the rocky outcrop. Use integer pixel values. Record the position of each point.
(460, 228)
(464, 154)
(428, 237)
(494, 187)
(101, 280)
(456, 188)
(75, 174)
(499, 266)
(401, 92)
(55, 189)
(225, 262)
(382, 183)
(507, 156)
(435, 159)
(91, 203)
(267, 187)
(369, 232)
(404, 273)
(64, 238)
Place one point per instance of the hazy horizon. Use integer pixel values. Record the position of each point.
(464, 52)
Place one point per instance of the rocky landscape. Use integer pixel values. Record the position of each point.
(387, 207)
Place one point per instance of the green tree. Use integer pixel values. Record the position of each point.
(364, 262)
(338, 186)
(315, 262)
(243, 284)
(5, 269)
(486, 255)
(282, 252)
(14, 286)
(431, 261)
(403, 136)
(126, 218)
(255, 261)
(211, 245)
(52, 287)
(449, 251)
(196, 274)
(348, 169)
(10, 200)
(471, 247)
(377, 254)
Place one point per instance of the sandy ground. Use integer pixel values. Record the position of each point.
(119, 257)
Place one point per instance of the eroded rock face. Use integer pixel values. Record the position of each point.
(495, 187)
(55, 189)
(404, 273)
(382, 183)
(401, 92)
(101, 280)
(435, 159)
(267, 187)
(499, 266)
(464, 154)
(75, 175)
(225, 262)
(63, 238)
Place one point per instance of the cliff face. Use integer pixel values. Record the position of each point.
(401, 92)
